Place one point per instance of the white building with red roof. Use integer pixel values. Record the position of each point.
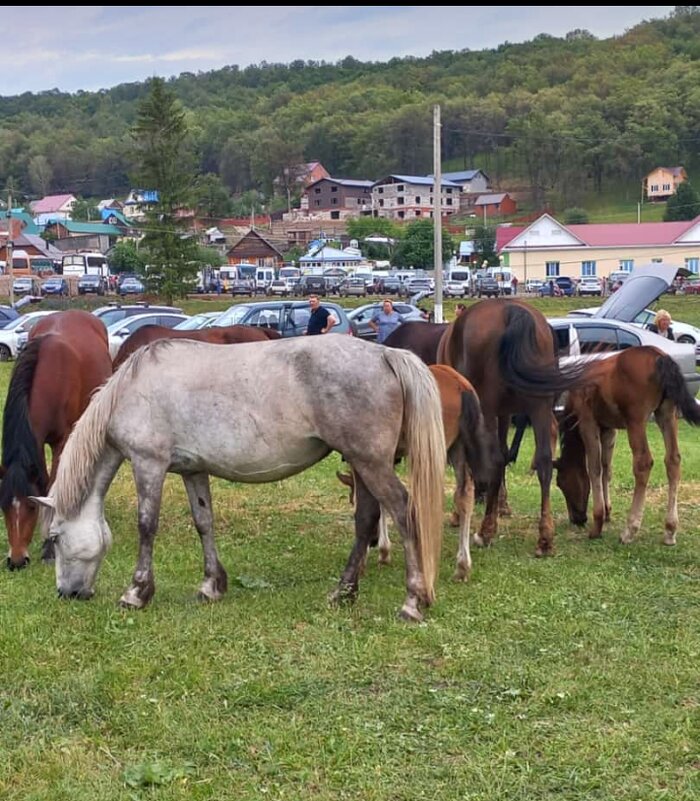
(52, 208)
(548, 248)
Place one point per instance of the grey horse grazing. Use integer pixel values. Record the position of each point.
(287, 405)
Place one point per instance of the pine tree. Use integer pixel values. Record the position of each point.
(165, 161)
(683, 205)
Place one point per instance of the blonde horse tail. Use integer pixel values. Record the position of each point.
(424, 439)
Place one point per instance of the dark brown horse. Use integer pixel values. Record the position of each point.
(622, 391)
(226, 335)
(506, 349)
(420, 338)
(65, 360)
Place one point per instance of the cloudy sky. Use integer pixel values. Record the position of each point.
(93, 47)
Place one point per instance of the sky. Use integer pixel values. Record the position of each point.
(97, 47)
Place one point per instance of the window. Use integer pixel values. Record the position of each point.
(317, 191)
(380, 190)
(587, 268)
(625, 339)
(401, 215)
(335, 215)
(563, 342)
(626, 265)
(448, 201)
(692, 264)
(448, 191)
(381, 201)
(417, 212)
(264, 318)
(596, 339)
(552, 268)
(654, 187)
(400, 187)
(399, 201)
(334, 201)
(334, 189)
(417, 198)
(317, 202)
(657, 261)
(667, 187)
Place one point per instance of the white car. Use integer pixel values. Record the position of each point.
(198, 321)
(589, 285)
(118, 332)
(454, 289)
(15, 335)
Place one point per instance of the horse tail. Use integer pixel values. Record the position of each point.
(478, 444)
(521, 358)
(673, 386)
(21, 455)
(88, 438)
(425, 448)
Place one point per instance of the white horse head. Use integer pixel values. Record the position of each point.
(81, 544)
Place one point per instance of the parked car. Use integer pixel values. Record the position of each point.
(454, 289)
(362, 315)
(56, 285)
(589, 285)
(565, 284)
(691, 288)
(118, 332)
(414, 286)
(311, 285)
(91, 285)
(115, 311)
(588, 337)
(242, 286)
(14, 336)
(198, 321)
(487, 286)
(289, 317)
(278, 287)
(26, 285)
(533, 284)
(393, 285)
(352, 286)
(131, 286)
(7, 315)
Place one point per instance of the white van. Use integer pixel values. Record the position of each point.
(504, 276)
(264, 276)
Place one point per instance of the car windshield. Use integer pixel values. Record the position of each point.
(234, 316)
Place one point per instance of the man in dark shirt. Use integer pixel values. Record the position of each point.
(321, 320)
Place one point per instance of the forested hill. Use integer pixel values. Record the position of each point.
(561, 114)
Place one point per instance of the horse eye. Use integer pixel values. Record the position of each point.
(53, 536)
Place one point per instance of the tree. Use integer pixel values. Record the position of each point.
(210, 197)
(40, 174)
(485, 244)
(84, 211)
(416, 246)
(683, 205)
(166, 165)
(575, 216)
(126, 258)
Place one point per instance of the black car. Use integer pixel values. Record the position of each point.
(91, 285)
(487, 286)
(393, 285)
(311, 285)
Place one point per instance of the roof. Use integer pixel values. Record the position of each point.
(28, 224)
(466, 247)
(23, 240)
(464, 175)
(356, 182)
(50, 203)
(142, 196)
(108, 213)
(677, 171)
(489, 200)
(265, 241)
(90, 228)
(611, 234)
(421, 180)
(328, 253)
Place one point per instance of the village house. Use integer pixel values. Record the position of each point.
(500, 205)
(337, 198)
(254, 248)
(52, 207)
(547, 248)
(410, 197)
(72, 236)
(322, 257)
(662, 182)
(471, 182)
(138, 202)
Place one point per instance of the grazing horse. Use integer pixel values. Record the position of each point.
(65, 360)
(225, 335)
(468, 451)
(286, 405)
(420, 338)
(506, 349)
(622, 391)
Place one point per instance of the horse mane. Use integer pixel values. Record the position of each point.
(87, 440)
(25, 471)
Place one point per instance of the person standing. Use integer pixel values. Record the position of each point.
(662, 325)
(514, 284)
(385, 321)
(321, 320)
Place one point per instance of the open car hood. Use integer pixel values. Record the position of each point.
(641, 289)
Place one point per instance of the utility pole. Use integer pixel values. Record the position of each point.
(437, 213)
(9, 247)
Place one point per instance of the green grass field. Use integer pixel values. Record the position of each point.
(569, 678)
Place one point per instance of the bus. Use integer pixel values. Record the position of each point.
(85, 263)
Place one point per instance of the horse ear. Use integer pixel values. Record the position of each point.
(46, 501)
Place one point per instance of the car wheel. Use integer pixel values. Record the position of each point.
(686, 340)
(5, 353)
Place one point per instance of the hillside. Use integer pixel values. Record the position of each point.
(567, 116)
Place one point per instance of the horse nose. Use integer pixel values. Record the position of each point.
(22, 563)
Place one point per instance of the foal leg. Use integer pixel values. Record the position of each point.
(489, 523)
(149, 478)
(668, 423)
(607, 443)
(215, 581)
(642, 464)
(464, 503)
(590, 434)
(541, 416)
(367, 515)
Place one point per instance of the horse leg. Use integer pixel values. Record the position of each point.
(541, 416)
(464, 502)
(149, 478)
(641, 465)
(367, 513)
(215, 581)
(607, 442)
(668, 423)
(489, 523)
(384, 541)
(48, 551)
(504, 509)
(591, 436)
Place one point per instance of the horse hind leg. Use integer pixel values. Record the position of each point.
(668, 423)
(541, 417)
(384, 541)
(607, 442)
(215, 581)
(464, 503)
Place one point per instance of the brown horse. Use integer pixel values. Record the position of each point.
(507, 350)
(622, 391)
(226, 335)
(65, 360)
(420, 338)
(468, 451)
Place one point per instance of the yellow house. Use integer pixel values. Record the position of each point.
(547, 248)
(662, 182)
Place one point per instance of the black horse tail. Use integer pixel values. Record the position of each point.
(520, 422)
(479, 445)
(673, 385)
(524, 366)
(24, 467)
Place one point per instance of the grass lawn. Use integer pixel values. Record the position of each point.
(574, 677)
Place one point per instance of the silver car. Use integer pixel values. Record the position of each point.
(362, 315)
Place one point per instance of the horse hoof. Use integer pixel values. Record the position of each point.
(505, 511)
(670, 540)
(131, 600)
(594, 534)
(410, 613)
(462, 573)
(384, 559)
(454, 520)
(342, 595)
(210, 591)
(543, 551)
